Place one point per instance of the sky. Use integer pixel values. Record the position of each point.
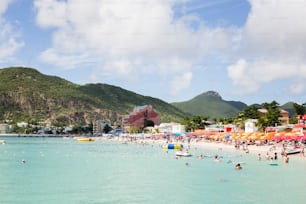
(252, 51)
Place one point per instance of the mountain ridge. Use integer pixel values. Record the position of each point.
(26, 94)
(211, 104)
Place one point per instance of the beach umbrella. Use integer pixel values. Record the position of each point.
(277, 138)
(176, 134)
(254, 136)
(303, 137)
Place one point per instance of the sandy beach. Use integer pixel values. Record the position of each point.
(194, 143)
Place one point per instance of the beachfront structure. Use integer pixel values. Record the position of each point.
(5, 128)
(22, 124)
(301, 119)
(99, 125)
(139, 117)
(170, 128)
(214, 128)
(250, 125)
(284, 115)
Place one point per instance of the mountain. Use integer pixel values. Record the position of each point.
(211, 104)
(28, 95)
(289, 107)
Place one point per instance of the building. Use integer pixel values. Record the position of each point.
(99, 125)
(250, 125)
(5, 128)
(139, 117)
(284, 118)
(301, 119)
(170, 128)
(284, 115)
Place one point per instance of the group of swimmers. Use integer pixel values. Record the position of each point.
(275, 157)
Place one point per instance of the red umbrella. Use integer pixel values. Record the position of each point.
(277, 138)
(303, 137)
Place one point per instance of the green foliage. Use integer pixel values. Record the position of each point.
(271, 118)
(299, 109)
(250, 112)
(212, 105)
(107, 128)
(194, 122)
(26, 94)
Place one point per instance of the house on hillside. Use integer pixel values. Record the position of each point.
(284, 115)
(139, 117)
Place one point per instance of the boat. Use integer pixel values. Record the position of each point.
(293, 151)
(85, 139)
(183, 153)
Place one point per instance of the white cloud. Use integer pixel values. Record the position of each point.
(272, 46)
(180, 82)
(3, 5)
(9, 37)
(51, 13)
(127, 38)
(250, 76)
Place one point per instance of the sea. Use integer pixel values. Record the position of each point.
(62, 171)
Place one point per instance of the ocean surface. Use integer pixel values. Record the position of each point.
(64, 171)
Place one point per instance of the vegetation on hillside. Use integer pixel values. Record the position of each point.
(29, 96)
(270, 118)
(211, 104)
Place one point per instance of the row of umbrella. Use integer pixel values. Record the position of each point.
(242, 135)
(251, 136)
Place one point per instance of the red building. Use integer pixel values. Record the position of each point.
(139, 116)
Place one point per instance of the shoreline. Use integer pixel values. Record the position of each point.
(253, 150)
(199, 144)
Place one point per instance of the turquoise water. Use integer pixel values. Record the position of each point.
(61, 170)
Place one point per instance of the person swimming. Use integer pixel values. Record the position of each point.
(217, 159)
(259, 156)
(238, 166)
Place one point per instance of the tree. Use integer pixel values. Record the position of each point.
(250, 112)
(187, 123)
(196, 122)
(271, 118)
(107, 128)
(299, 109)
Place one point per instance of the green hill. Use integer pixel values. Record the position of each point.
(28, 95)
(211, 104)
(289, 107)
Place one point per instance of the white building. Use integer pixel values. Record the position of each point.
(170, 128)
(250, 125)
(5, 128)
(22, 124)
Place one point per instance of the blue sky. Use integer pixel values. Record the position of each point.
(252, 51)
